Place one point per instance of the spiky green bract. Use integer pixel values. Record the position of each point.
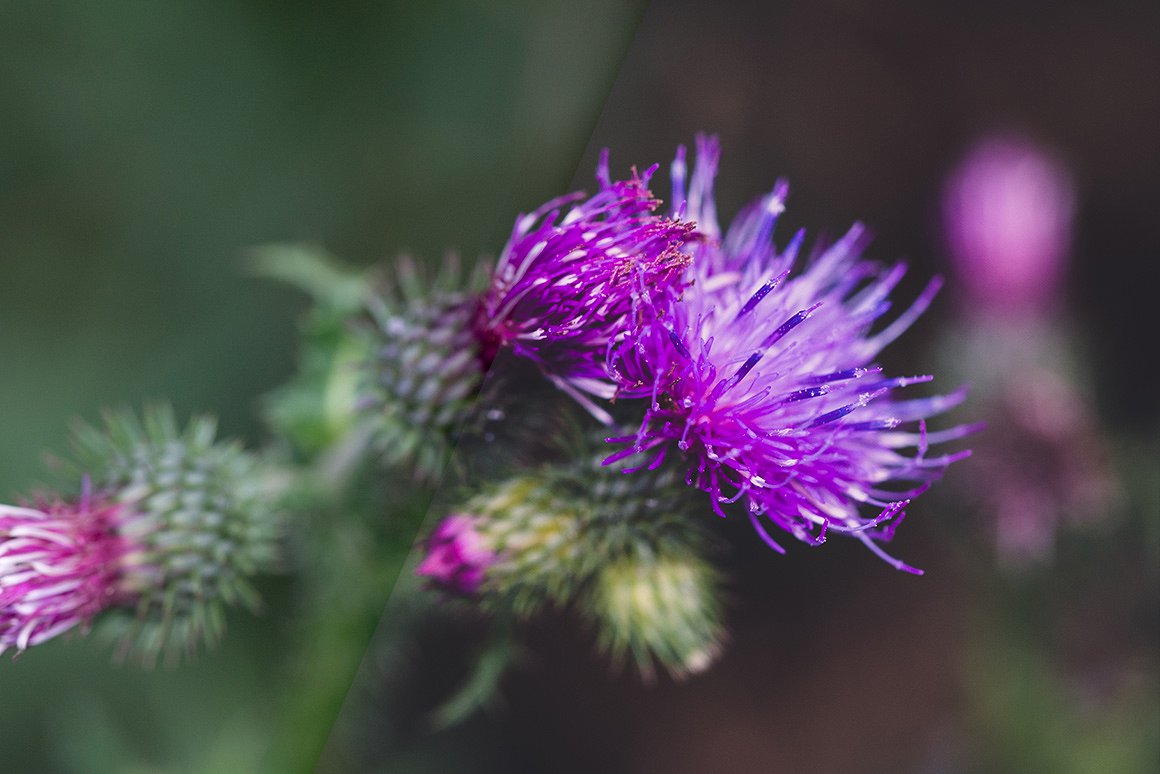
(653, 593)
(203, 520)
(620, 508)
(626, 548)
(426, 368)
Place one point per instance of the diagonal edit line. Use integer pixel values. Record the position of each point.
(470, 459)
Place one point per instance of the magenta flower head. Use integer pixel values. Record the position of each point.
(457, 557)
(59, 566)
(1007, 212)
(563, 286)
(169, 536)
(762, 375)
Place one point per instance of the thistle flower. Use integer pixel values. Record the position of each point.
(1007, 211)
(561, 290)
(563, 287)
(765, 379)
(173, 529)
(60, 565)
(189, 520)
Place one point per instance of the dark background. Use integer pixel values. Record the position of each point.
(839, 664)
(865, 108)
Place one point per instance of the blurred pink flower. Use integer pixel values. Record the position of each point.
(1043, 464)
(1007, 212)
(457, 558)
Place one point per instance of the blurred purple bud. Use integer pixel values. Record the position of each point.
(1007, 211)
(457, 558)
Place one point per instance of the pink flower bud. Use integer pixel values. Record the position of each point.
(1007, 212)
(457, 558)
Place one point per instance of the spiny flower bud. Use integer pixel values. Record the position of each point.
(426, 370)
(517, 542)
(625, 547)
(194, 522)
(652, 594)
(658, 602)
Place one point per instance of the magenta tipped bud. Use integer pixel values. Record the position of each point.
(1007, 212)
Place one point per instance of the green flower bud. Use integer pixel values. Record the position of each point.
(625, 547)
(660, 604)
(201, 521)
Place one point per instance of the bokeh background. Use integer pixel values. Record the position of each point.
(147, 148)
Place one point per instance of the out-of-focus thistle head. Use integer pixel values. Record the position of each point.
(427, 365)
(564, 284)
(1007, 212)
(762, 375)
(624, 548)
(1045, 465)
(389, 357)
(653, 593)
(172, 531)
(658, 601)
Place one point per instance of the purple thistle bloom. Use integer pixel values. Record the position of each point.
(59, 566)
(766, 382)
(563, 287)
(457, 558)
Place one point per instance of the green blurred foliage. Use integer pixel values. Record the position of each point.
(144, 149)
